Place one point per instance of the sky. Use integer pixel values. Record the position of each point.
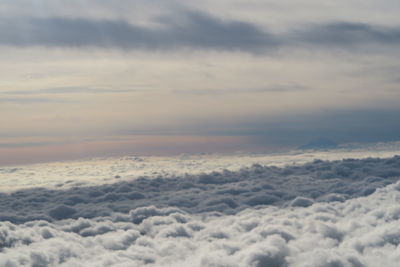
(106, 78)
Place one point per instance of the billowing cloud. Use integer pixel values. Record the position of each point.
(227, 192)
(341, 213)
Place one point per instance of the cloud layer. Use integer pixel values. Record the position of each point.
(226, 192)
(317, 214)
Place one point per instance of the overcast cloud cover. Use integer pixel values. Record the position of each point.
(269, 71)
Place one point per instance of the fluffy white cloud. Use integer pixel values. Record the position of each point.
(359, 232)
(227, 192)
(322, 213)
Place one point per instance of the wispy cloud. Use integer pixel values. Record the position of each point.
(29, 144)
(345, 34)
(70, 90)
(279, 88)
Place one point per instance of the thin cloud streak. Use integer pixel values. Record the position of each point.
(70, 90)
(30, 100)
(282, 88)
(347, 34)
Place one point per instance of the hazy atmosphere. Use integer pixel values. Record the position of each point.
(97, 78)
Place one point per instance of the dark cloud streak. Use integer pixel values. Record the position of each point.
(349, 34)
(191, 30)
(197, 31)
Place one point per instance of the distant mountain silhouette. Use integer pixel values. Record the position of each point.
(320, 143)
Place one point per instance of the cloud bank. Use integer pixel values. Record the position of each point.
(197, 30)
(324, 213)
(189, 30)
(226, 192)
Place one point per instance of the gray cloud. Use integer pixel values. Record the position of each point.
(347, 34)
(343, 126)
(280, 88)
(195, 30)
(191, 30)
(292, 129)
(69, 90)
(30, 100)
(15, 145)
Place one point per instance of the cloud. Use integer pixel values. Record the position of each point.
(24, 144)
(196, 30)
(360, 231)
(226, 192)
(279, 88)
(349, 34)
(295, 129)
(188, 30)
(69, 90)
(30, 100)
